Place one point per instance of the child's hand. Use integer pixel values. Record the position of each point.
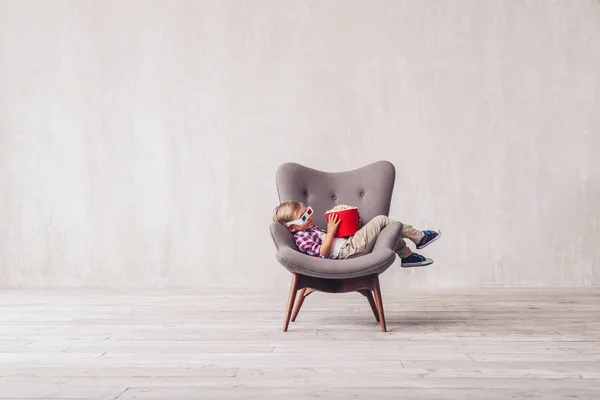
(333, 222)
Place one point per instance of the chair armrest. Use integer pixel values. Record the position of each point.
(282, 238)
(373, 263)
(388, 238)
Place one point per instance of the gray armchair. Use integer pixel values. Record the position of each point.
(370, 189)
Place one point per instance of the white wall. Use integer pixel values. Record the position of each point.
(139, 140)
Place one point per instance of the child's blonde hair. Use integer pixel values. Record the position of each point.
(285, 212)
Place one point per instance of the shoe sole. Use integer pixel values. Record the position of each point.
(431, 241)
(428, 261)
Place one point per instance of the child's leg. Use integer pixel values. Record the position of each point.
(420, 238)
(408, 232)
(410, 259)
(402, 249)
(364, 239)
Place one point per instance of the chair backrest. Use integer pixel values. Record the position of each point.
(369, 188)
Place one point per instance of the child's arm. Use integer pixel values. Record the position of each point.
(332, 225)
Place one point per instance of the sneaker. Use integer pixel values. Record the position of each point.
(416, 260)
(428, 238)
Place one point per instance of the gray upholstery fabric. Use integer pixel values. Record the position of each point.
(369, 188)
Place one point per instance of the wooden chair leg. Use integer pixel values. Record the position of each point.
(293, 290)
(379, 302)
(367, 293)
(303, 293)
(298, 304)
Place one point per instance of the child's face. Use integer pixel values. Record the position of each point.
(305, 226)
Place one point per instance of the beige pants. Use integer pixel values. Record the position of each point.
(364, 239)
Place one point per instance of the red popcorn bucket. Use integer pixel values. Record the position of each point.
(348, 222)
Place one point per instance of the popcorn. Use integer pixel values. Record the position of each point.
(349, 219)
(340, 207)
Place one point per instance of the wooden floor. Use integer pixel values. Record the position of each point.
(484, 344)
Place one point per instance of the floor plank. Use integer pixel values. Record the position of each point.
(390, 393)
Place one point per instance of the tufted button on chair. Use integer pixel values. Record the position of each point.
(370, 189)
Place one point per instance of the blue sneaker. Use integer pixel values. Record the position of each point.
(428, 238)
(415, 260)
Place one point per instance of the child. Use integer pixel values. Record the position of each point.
(316, 242)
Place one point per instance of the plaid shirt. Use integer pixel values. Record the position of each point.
(309, 241)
